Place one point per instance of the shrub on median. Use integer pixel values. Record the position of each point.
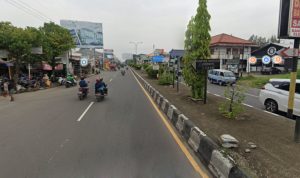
(165, 79)
(151, 73)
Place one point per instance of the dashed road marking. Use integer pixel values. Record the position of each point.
(248, 105)
(86, 110)
(217, 95)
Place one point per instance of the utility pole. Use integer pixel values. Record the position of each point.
(178, 72)
(136, 44)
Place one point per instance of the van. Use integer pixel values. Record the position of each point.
(221, 77)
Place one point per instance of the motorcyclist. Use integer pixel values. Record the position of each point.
(83, 84)
(122, 71)
(100, 86)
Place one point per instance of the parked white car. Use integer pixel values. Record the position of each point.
(275, 95)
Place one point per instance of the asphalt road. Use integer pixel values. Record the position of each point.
(251, 95)
(121, 137)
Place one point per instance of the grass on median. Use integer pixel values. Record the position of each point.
(258, 81)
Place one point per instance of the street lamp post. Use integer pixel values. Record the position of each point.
(136, 44)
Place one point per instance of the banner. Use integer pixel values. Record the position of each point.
(85, 34)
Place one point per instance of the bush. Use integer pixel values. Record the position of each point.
(298, 74)
(165, 79)
(145, 66)
(151, 73)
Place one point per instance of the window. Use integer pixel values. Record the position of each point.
(284, 86)
(222, 74)
(212, 51)
(298, 88)
(228, 51)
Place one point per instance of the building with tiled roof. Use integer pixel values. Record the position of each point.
(232, 51)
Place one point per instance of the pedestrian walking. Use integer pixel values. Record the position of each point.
(5, 87)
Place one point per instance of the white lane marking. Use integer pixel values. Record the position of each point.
(208, 92)
(86, 110)
(227, 98)
(217, 95)
(248, 105)
(251, 95)
(271, 113)
(110, 80)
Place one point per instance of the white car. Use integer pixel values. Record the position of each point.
(275, 95)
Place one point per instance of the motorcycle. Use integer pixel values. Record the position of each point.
(61, 81)
(83, 92)
(123, 72)
(100, 96)
(70, 83)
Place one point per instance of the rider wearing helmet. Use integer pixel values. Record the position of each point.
(100, 86)
(83, 83)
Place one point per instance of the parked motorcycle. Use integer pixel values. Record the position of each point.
(70, 83)
(82, 92)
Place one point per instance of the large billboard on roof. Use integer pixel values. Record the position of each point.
(85, 34)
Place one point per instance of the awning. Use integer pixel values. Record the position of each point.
(7, 64)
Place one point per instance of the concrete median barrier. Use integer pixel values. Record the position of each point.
(170, 111)
(180, 122)
(175, 116)
(220, 165)
(165, 106)
(195, 138)
(187, 127)
(205, 150)
(235, 172)
(159, 100)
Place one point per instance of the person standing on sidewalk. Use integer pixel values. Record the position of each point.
(11, 85)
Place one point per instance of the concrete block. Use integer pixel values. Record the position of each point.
(165, 105)
(235, 172)
(205, 150)
(220, 165)
(195, 138)
(187, 127)
(170, 111)
(175, 116)
(180, 122)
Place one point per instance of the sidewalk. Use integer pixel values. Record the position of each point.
(276, 156)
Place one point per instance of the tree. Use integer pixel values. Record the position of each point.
(197, 41)
(232, 106)
(261, 41)
(57, 40)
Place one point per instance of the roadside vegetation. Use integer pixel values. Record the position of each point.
(258, 81)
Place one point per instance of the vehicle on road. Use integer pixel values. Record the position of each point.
(100, 96)
(275, 95)
(123, 72)
(221, 77)
(270, 71)
(82, 92)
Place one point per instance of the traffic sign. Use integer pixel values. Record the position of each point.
(277, 59)
(252, 60)
(289, 52)
(266, 60)
(200, 65)
(84, 62)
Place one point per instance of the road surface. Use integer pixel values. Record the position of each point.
(51, 134)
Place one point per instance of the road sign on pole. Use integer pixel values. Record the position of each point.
(289, 52)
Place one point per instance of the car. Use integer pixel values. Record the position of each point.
(275, 95)
(271, 71)
(221, 77)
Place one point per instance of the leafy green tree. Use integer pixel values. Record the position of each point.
(197, 41)
(57, 40)
(232, 106)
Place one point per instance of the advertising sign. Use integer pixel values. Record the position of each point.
(277, 60)
(85, 34)
(252, 60)
(266, 60)
(294, 21)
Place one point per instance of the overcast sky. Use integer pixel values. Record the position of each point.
(159, 22)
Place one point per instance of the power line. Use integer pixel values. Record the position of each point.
(29, 12)
(33, 9)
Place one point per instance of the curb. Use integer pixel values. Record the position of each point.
(208, 152)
